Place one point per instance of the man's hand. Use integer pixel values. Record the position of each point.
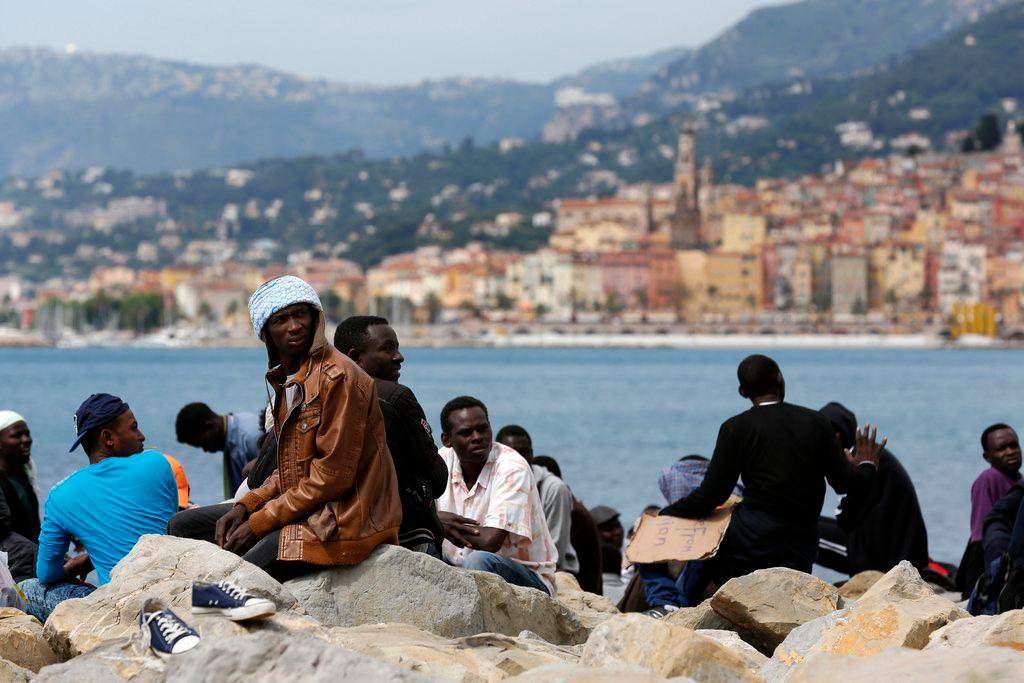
(458, 529)
(226, 525)
(77, 568)
(241, 539)
(247, 468)
(867, 448)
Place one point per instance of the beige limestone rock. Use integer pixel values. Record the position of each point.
(484, 657)
(664, 649)
(590, 608)
(267, 657)
(900, 610)
(22, 642)
(165, 567)
(1004, 630)
(859, 584)
(395, 585)
(969, 665)
(125, 659)
(747, 652)
(699, 617)
(12, 673)
(567, 673)
(767, 604)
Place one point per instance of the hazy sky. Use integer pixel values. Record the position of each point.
(379, 41)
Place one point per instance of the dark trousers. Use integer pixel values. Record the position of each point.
(201, 524)
(832, 546)
(21, 556)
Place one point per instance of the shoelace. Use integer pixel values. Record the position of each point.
(233, 590)
(170, 627)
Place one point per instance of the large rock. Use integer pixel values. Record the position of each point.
(567, 673)
(273, 657)
(900, 610)
(164, 567)
(747, 652)
(591, 609)
(1004, 630)
(485, 657)
(119, 659)
(665, 649)
(969, 665)
(859, 584)
(395, 585)
(12, 673)
(767, 604)
(701, 617)
(22, 642)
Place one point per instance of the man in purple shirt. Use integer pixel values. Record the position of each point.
(1001, 449)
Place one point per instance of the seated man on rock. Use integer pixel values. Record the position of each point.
(784, 453)
(124, 493)
(334, 495)
(877, 527)
(583, 536)
(372, 343)
(491, 512)
(236, 435)
(19, 508)
(555, 496)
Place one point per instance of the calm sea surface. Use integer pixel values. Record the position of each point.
(611, 417)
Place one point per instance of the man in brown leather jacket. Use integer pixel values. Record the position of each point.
(334, 496)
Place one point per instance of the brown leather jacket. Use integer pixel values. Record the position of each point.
(334, 494)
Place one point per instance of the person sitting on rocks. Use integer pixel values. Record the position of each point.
(1002, 586)
(237, 435)
(877, 527)
(371, 342)
(608, 521)
(1001, 450)
(555, 497)
(490, 510)
(19, 508)
(583, 535)
(784, 453)
(668, 586)
(124, 493)
(334, 496)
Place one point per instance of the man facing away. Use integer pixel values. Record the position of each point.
(333, 497)
(876, 528)
(555, 497)
(371, 342)
(784, 453)
(1001, 450)
(490, 510)
(124, 493)
(237, 435)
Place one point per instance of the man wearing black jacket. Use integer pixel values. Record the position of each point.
(784, 453)
(876, 528)
(422, 475)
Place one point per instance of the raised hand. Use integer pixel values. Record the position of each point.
(867, 448)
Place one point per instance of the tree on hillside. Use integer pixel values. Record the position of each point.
(988, 132)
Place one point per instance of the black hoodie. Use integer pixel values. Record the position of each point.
(884, 522)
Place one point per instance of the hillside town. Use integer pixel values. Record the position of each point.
(908, 242)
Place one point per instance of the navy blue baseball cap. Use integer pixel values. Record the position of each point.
(96, 411)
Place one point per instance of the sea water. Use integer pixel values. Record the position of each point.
(611, 417)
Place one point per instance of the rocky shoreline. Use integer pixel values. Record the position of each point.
(403, 616)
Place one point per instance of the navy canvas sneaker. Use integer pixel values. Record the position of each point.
(229, 600)
(164, 631)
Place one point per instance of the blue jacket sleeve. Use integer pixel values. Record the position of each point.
(53, 544)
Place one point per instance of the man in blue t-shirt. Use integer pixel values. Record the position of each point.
(125, 492)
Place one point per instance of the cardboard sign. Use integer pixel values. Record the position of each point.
(660, 539)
